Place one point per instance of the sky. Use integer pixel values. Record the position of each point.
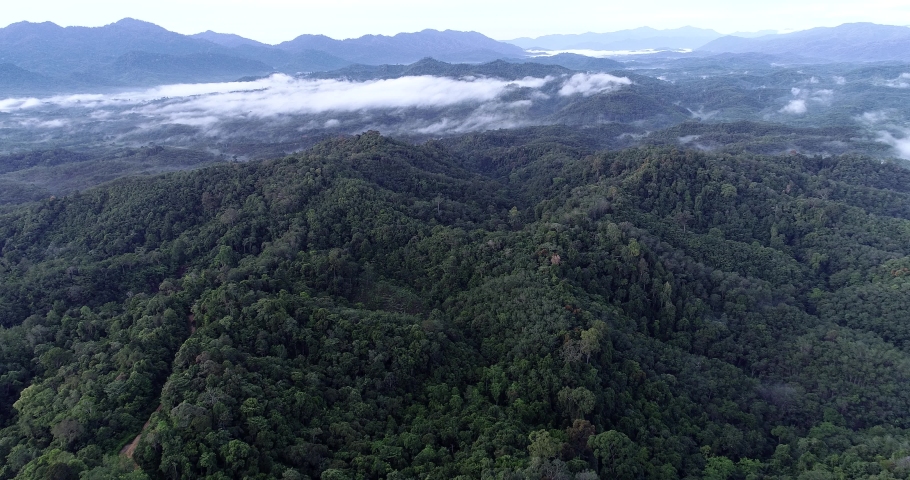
(274, 21)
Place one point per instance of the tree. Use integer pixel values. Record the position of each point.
(618, 455)
(543, 446)
(577, 402)
(591, 338)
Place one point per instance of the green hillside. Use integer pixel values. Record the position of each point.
(500, 306)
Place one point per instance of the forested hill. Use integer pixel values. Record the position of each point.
(499, 307)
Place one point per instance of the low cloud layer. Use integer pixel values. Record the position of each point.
(283, 95)
(478, 103)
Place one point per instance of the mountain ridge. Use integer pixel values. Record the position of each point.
(446, 45)
(852, 42)
(631, 39)
(64, 53)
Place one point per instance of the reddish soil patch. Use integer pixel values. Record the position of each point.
(130, 448)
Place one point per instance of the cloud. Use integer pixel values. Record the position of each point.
(589, 84)
(903, 81)
(823, 96)
(280, 103)
(36, 123)
(874, 117)
(799, 105)
(901, 145)
(701, 114)
(281, 94)
(840, 80)
(284, 96)
(888, 129)
(795, 107)
(13, 104)
(487, 116)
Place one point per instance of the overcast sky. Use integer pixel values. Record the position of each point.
(273, 21)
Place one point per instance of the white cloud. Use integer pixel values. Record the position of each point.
(795, 107)
(589, 84)
(903, 81)
(470, 103)
(12, 104)
(840, 80)
(701, 114)
(874, 117)
(823, 96)
(36, 123)
(487, 116)
(901, 145)
(281, 94)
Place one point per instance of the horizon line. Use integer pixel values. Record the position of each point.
(776, 31)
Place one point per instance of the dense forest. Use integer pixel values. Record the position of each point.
(498, 305)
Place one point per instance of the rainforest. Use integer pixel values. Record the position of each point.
(505, 304)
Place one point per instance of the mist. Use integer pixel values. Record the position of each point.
(457, 104)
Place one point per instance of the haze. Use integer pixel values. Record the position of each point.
(273, 21)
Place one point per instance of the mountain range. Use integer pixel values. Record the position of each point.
(635, 39)
(136, 53)
(41, 58)
(852, 42)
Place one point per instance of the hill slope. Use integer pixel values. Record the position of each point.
(504, 305)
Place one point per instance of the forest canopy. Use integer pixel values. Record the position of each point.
(498, 305)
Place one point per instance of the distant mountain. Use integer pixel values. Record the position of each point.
(851, 42)
(760, 33)
(143, 68)
(49, 49)
(404, 48)
(634, 39)
(132, 52)
(312, 61)
(227, 39)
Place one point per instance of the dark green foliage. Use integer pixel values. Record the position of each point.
(515, 305)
